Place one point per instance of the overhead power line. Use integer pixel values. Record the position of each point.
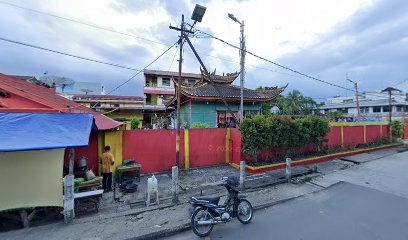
(141, 70)
(274, 63)
(67, 54)
(82, 23)
(96, 26)
(134, 75)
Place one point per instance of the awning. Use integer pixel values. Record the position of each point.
(35, 131)
(102, 122)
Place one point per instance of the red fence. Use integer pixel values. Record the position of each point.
(155, 149)
(346, 135)
(207, 146)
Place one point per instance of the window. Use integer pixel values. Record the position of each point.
(376, 109)
(400, 108)
(343, 110)
(386, 109)
(115, 105)
(166, 82)
(191, 81)
(148, 99)
(364, 110)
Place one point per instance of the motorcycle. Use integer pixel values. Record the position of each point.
(206, 212)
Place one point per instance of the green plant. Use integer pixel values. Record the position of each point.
(134, 123)
(283, 132)
(292, 104)
(397, 128)
(200, 125)
(385, 140)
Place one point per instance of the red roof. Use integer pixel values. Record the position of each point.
(29, 97)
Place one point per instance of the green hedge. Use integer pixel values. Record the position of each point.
(279, 131)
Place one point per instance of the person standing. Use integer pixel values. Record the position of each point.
(107, 162)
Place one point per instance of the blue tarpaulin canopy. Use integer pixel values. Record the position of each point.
(36, 131)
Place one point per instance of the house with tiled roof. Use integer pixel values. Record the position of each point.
(119, 108)
(202, 102)
(24, 94)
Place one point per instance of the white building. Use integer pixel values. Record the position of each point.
(374, 106)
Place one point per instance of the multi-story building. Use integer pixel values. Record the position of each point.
(374, 106)
(119, 108)
(158, 90)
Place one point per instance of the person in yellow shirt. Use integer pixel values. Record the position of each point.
(107, 162)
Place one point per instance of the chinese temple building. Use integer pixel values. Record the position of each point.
(202, 102)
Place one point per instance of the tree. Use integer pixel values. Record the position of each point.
(293, 104)
(134, 123)
(332, 114)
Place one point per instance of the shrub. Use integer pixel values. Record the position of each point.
(200, 125)
(397, 128)
(279, 131)
(134, 123)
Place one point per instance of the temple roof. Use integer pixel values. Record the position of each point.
(206, 91)
(228, 78)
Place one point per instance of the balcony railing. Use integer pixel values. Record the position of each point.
(149, 84)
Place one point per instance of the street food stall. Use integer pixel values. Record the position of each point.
(32, 149)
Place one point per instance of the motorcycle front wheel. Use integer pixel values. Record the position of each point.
(244, 211)
(201, 214)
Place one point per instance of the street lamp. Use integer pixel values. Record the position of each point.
(198, 13)
(242, 63)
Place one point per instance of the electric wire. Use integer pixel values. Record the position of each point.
(274, 63)
(82, 23)
(67, 54)
(134, 75)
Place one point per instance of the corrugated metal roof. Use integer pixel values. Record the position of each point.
(171, 74)
(371, 103)
(108, 97)
(51, 101)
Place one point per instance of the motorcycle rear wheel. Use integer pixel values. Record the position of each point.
(244, 211)
(201, 214)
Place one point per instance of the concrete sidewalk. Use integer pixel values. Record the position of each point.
(159, 221)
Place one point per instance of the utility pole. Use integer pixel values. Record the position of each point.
(357, 100)
(242, 63)
(178, 93)
(389, 90)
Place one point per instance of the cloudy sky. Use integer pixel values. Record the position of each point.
(367, 39)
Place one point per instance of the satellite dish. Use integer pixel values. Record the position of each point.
(86, 91)
(56, 81)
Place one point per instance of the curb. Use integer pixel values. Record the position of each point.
(315, 160)
(186, 226)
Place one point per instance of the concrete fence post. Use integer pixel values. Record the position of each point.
(69, 213)
(174, 183)
(242, 175)
(288, 169)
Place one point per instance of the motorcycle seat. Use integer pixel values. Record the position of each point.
(213, 200)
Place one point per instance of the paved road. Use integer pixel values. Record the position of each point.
(342, 211)
(373, 204)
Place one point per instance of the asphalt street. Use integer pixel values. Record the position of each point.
(342, 211)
